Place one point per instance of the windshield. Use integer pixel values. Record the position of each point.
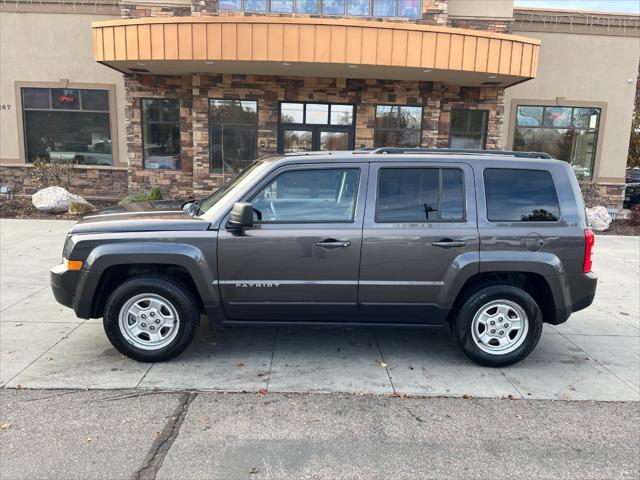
(204, 205)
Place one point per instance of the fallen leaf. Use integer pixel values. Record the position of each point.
(253, 470)
(519, 417)
(467, 397)
(313, 419)
(239, 364)
(512, 397)
(5, 426)
(19, 386)
(88, 439)
(572, 388)
(383, 365)
(410, 367)
(262, 392)
(19, 324)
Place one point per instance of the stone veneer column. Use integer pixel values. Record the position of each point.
(434, 12)
(472, 98)
(174, 183)
(201, 8)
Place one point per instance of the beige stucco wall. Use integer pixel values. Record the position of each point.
(47, 47)
(586, 68)
(481, 8)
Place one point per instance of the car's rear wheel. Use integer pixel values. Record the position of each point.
(497, 325)
(150, 318)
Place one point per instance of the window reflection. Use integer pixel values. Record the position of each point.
(566, 133)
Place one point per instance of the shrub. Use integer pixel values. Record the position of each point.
(47, 173)
(154, 193)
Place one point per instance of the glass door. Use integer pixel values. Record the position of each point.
(315, 126)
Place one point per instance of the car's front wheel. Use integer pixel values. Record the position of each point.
(151, 319)
(497, 325)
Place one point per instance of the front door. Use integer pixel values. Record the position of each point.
(420, 231)
(300, 261)
(315, 126)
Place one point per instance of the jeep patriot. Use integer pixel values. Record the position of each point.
(493, 244)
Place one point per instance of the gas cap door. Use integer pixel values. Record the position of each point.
(534, 242)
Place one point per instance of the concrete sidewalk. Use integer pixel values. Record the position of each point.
(144, 435)
(594, 356)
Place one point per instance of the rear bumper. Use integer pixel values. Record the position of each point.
(582, 291)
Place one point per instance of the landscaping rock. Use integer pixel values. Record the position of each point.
(598, 218)
(54, 200)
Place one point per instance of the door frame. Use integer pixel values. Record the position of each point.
(316, 128)
(289, 311)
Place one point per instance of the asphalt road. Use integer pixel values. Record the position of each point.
(142, 435)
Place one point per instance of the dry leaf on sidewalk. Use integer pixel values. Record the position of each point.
(5, 426)
(253, 470)
(383, 365)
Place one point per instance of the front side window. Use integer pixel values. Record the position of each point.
(308, 196)
(356, 8)
(515, 195)
(468, 129)
(565, 133)
(397, 126)
(420, 195)
(67, 125)
(161, 133)
(233, 134)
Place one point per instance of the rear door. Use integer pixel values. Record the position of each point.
(420, 231)
(300, 261)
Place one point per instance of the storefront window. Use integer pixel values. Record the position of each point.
(67, 125)
(356, 8)
(315, 126)
(397, 126)
(566, 133)
(233, 135)
(468, 129)
(161, 133)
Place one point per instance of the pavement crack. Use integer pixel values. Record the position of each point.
(417, 418)
(375, 337)
(162, 444)
(273, 352)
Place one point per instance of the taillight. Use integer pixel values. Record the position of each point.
(589, 240)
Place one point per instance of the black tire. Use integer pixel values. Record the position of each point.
(170, 289)
(478, 297)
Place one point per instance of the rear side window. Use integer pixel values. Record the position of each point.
(420, 195)
(520, 196)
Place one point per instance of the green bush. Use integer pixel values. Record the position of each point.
(150, 195)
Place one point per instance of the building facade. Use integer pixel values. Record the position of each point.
(185, 93)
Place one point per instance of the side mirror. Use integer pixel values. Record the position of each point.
(241, 216)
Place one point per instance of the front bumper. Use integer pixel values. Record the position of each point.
(66, 286)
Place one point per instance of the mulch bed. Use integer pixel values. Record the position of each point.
(21, 207)
(621, 227)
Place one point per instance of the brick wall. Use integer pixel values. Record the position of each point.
(174, 183)
(611, 195)
(195, 91)
(86, 182)
(131, 10)
(489, 25)
(490, 99)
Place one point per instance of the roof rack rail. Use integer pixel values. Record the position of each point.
(460, 151)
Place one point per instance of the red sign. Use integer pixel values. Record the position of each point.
(66, 99)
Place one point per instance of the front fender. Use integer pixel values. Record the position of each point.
(189, 257)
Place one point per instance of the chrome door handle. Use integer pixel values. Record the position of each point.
(447, 243)
(331, 243)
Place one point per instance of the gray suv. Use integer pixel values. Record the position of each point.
(493, 244)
